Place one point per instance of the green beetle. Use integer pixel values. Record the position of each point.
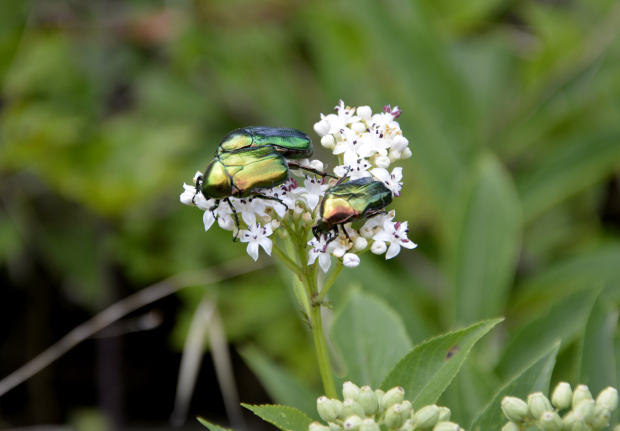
(238, 172)
(349, 202)
(291, 143)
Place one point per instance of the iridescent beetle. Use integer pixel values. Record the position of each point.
(349, 202)
(253, 158)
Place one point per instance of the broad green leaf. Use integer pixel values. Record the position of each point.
(285, 418)
(598, 359)
(534, 379)
(281, 386)
(429, 368)
(211, 426)
(577, 164)
(371, 338)
(563, 321)
(484, 246)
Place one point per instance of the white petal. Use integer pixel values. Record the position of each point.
(266, 244)
(381, 174)
(408, 243)
(312, 257)
(393, 250)
(325, 261)
(397, 173)
(249, 218)
(313, 201)
(253, 249)
(383, 236)
(208, 219)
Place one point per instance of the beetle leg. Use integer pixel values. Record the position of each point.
(236, 219)
(214, 207)
(378, 212)
(345, 232)
(293, 165)
(344, 177)
(270, 198)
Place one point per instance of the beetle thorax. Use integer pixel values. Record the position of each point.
(216, 183)
(323, 225)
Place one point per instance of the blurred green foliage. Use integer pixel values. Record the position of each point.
(512, 111)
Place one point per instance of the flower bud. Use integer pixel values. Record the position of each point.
(407, 425)
(601, 417)
(608, 398)
(405, 154)
(581, 393)
(265, 219)
(317, 164)
(447, 426)
(574, 422)
(334, 426)
(275, 224)
(444, 414)
(297, 212)
(351, 408)
(365, 112)
(351, 260)
(427, 417)
(550, 421)
(562, 396)
(307, 219)
(369, 425)
(393, 416)
(327, 409)
(366, 232)
(328, 142)
(538, 404)
(358, 127)
(322, 127)
(379, 393)
(585, 409)
(226, 222)
(515, 409)
(399, 143)
(360, 243)
(350, 391)
(394, 155)
(393, 396)
(511, 426)
(378, 247)
(368, 400)
(407, 410)
(315, 426)
(352, 423)
(382, 162)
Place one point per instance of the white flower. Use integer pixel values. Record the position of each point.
(378, 220)
(255, 236)
(208, 219)
(187, 197)
(249, 208)
(358, 127)
(391, 181)
(340, 245)
(360, 243)
(387, 117)
(353, 166)
(314, 189)
(225, 221)
(350, 143)
(382, 162)
(365, 112)
(351, 260)
(319, 249)
(406, 153)
(328, 142)
(378, 247)
(322, 128)
(396, 235)
(345, 117)
(374, 141)
(399, 143)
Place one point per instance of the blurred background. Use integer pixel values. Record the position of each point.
(512, 111)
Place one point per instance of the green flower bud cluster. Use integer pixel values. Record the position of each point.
(364, 409)
(586, 414)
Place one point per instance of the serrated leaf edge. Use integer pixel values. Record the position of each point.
(293, 409)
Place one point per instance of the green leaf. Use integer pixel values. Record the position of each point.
(484, 245)
(562, 321)
(211, 426)
(576, 165)
(429, 368)
(285, 418)
(534, 379)
(371, 338)
(281, 386)
(598, 359)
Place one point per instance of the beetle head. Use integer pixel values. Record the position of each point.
(216, 183)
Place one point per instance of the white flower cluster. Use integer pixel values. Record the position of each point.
(366, 410)
(366, 145)
(586, 413)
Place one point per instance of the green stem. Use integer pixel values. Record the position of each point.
(332, 277)
(286, 261)
(322, 355)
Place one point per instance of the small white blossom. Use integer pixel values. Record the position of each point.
(378, 247)
(358, 127)
(314, 189)
(187, 197)
(387, 117)
(360, 243)
(328, 142)
(319, 249)
(351, 260)
(378, 220)
(374, 142)
(353, 166)
(394, 155)
(322, 128)
(225, 221)
(350, 144)
(406, 153)
(346, 116)
(396, 235)
(365, 112)
(382, 162)
(391, 181)
(208, 219)
(399, 143)
(255, 236)
(367, 232)
(340, 245)
(249, 208)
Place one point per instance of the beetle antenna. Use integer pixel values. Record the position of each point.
(236, 237)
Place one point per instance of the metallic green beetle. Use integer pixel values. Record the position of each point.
(291, 143)
(239, 169)
(349, 202)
